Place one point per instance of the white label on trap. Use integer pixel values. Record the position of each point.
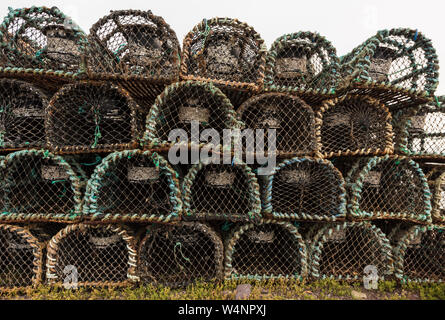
(291, 67)
(373, 178)
(189, 114)
(138, 174)
(295, 176)
(418, 122)
(337, 119)
(54, 173)
(261, 236)
(220, 179)
(29, 113)
(103, 242)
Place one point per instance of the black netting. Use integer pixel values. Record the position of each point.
(180, 254)
(93, 117)
(22, 115)
(355, 125)
(268, 250)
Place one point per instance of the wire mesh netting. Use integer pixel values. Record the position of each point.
(346, 250)
(436, 182)
(397, 66)
(227, 52)
(423, 135)
(40, 186)
(22, 115)
(227, 192)
(133, 186)
(303, 62)
(291, 118)
(135, 47)
(41, 42)
(389, 187)
(420, 254)
(265, 251)
(354, 125)
(20, 258)
(177, 255)
(183, 105)
(93, 117)
(305, 189)
(88, 255)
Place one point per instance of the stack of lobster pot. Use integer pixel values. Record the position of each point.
(112, 173)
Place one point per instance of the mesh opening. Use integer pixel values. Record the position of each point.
(41, 38)
(422, 254)
(179, 255)
(99, 117)
(39, 185)
(307, 189)
(135, 43)
(186, 102)
(101, 255)
(389, 188)
(302, 61)
(291, 117)
(224, 50)
(22, 117)
(268, 250)
(20, 258)
(355, 125)
(133, 184)
(221, 192)
(343, 251)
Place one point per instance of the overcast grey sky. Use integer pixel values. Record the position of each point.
(346, 23)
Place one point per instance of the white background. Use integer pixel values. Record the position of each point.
(346, 23)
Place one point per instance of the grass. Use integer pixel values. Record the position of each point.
(261, 290)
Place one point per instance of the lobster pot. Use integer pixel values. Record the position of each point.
(346, 251)
(20, 259)
(89, 255)
(436, 183)
(177, 255)
(398, 66)
(265, 251)
(87, 117)
(135, 186)
(420, 254)
(355, 125)
(187, 108)
(302, 61)
(221, 192)
(40, 186)
(388, 187)
(424, 135)
(136, 48)
(305, 189)
(41, 44)
(226, 52)
(22, 117)
(292, 120)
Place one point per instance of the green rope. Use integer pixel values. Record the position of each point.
(179, 244)
(97, 134)
(122, 46)
(98, 159)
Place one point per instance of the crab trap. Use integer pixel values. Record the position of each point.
(180, 254)
(422, 131)
(291, 118)
(354, 125)
(221, 192)
(305, 189)
(93, 117)
(21, 259)
(436, 182)
(42, 45)
(268, 250)
(227, 52)
(389, 187)
(133, 186)
(420, 254)
(351, 251)
(136, 49)
(399, 67)
(187, 108)
(84, 255)
(304, 63)
(40, 186)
